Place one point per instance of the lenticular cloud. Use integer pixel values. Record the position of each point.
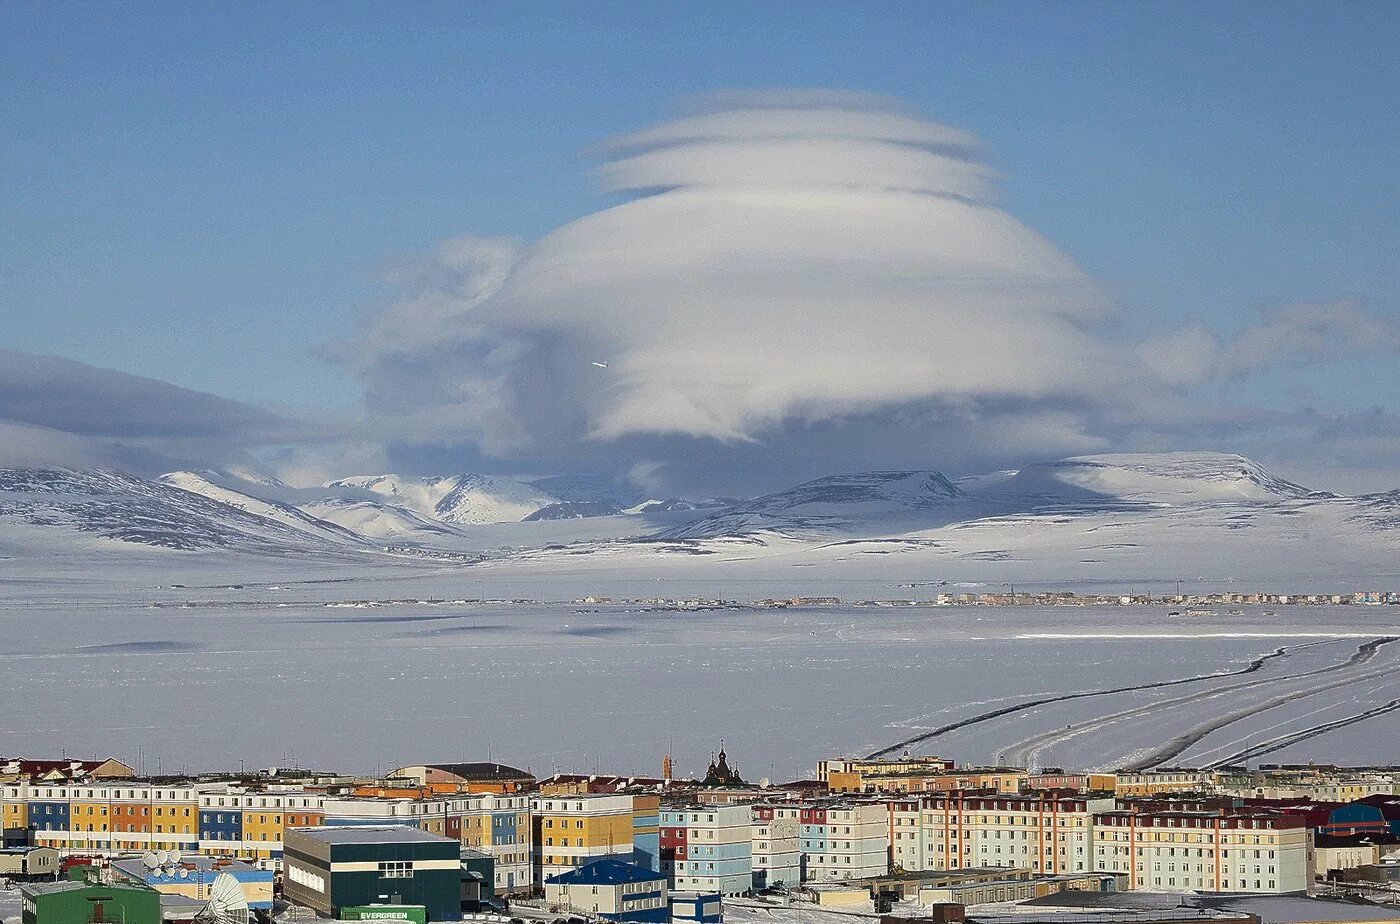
(779, 259)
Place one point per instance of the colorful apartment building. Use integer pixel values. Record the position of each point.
(708, 848)
(251, 824)
(499, 825)
(915, 775)
(570, 831)
(646, 830)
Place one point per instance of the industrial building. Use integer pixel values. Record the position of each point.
(88, 903)
(328, 869)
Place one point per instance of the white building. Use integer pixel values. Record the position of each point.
(1205, 852)
(844, 840)
(777, 846)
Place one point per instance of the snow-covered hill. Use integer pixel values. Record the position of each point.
(1168, 479)
(216, 487)
(836, 504)
(1104, 518)
(459, 499)
(113, 505)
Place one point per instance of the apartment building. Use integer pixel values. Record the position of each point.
(570, 831)
(915, 774)
(1205, 852)
(708, 848)
(776, 842)
(860, 766)
(251, 824)
(1149, 783)
(1047, 832)
(499, 825)
(111, 816)
(844, 840)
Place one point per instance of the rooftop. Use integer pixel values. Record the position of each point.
(607, 871)
(482, 770)
(371, 834)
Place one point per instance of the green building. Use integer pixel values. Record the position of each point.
(88, 903)
(335, 867)
(412, 914)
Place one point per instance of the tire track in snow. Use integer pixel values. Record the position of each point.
(1019, 753)
(1278, 744)
(1249, 668)
(1181, 743)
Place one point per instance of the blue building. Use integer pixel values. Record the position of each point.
(220, 824)
(48, 816)
(612, 889)
(697, 907)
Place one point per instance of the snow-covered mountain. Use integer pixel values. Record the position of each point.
(836, 504)
(1101, 517)
(382, 522)
(1166, 479)
(113, 505)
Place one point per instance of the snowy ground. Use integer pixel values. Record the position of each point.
(9, 903)
(252, 658)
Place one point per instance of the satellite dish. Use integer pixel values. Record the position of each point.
(176, 856)
(764, 783)
(150, 860)
(163, 857)
(227, 903)
(183, 873)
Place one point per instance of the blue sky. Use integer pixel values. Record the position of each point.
(208, 193)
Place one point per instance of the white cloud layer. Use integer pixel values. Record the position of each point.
(793, 284)
(807, 260)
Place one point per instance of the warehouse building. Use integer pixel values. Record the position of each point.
(28, 863)
(86, 903)
(331, 868)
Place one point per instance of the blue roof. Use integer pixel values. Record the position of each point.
(607, 871)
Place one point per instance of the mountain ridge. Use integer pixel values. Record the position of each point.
(1101, 510)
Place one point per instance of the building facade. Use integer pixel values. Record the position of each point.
(327, 869)
(612, 889)
(708, 848)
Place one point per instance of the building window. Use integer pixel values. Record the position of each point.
(398, 869)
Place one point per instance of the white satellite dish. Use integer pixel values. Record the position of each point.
(176, 856)
(150, 860)
(163, 857)
(183, 873)
(227, 903)
(764, 783)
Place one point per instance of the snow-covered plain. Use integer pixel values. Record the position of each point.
(212, 617)
(253, 657)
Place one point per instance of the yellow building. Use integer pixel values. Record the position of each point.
(1162, 782)
(570, 831)
(262, 825)
(14, 814)
(879, 780)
